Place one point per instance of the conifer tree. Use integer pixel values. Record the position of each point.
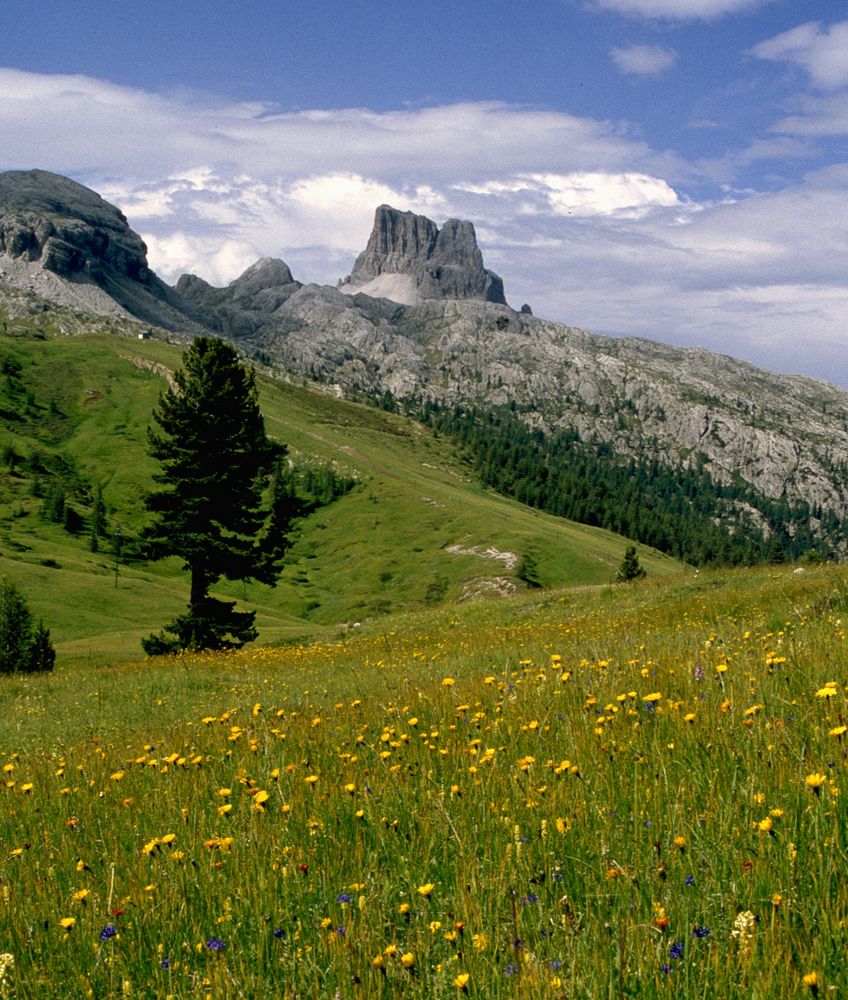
(216, 461)
(630, 567)
(24, 646)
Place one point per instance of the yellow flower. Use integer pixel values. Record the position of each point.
(378, 962)
(426, 890)
(765, 825)
(81, 895)
(815, 781)
(461, 981)
(812, 980)
(407, 960)
(448, 682)
(67, 923)
(680, 842)
(311, 779)
(480, 941)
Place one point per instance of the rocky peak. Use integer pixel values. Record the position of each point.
(431, 263)
(245, 304)
(68, 228)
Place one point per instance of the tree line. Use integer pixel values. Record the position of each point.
(678, 509)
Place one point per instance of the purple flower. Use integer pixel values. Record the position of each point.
(108, 932)
(699, 671)
(690, 879)
(511, 970)
(279, 933)
(699, 931)
(343, 897)
(216, 944)
(665, 968)
(676, 950)
(165, 963)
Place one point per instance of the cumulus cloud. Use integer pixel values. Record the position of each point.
(679, 10)
(584, 221)
(644, 60)
(822, 52)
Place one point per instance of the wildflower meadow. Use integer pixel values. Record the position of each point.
(624, 791)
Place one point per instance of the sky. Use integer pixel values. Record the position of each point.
(669, 169)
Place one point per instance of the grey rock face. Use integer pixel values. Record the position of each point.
(70, 231)
(246, 304)
(443, 263)
(68, 227)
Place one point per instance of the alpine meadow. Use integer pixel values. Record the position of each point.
(381, 640)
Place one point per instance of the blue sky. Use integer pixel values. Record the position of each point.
(672, 169)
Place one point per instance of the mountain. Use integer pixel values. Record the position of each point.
(420, 319)
(408, 258)
(416, 530)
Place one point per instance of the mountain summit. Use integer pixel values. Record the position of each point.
(408, 258)
(53, 226)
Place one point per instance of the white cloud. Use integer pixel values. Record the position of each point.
(822, 52)
(644, 60)
(583, 221)
(817, 117)
(581, 193)
(679, 10)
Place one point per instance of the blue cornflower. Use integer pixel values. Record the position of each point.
(165, 963)
(511, 970)
(676, 950)
(690, 879)
(699, 931)
(108, 932)
(665, 968)
(215, 944)
(343, 897)
(279, 933)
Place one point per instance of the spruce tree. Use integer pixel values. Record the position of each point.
(24, 647)
(630, 567)
(216, 460)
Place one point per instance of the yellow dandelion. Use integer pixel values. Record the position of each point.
(426, 890)
(815, 781)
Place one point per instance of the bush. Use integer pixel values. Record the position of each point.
(24, 646)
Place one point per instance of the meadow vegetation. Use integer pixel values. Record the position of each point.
(615, 791)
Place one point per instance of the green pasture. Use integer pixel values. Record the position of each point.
(599, 791)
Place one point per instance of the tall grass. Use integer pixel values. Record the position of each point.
(631, 791)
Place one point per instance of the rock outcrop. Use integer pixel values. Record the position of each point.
(66, 226)
(431, 263)
(246, 304)
(70, 231)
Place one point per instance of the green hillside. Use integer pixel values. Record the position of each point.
(74, 412)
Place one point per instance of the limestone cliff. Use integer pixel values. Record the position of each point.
(436, 263)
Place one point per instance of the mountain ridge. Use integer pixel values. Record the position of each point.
(785, 435)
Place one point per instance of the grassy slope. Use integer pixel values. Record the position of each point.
(613, 778)
(380, 548)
